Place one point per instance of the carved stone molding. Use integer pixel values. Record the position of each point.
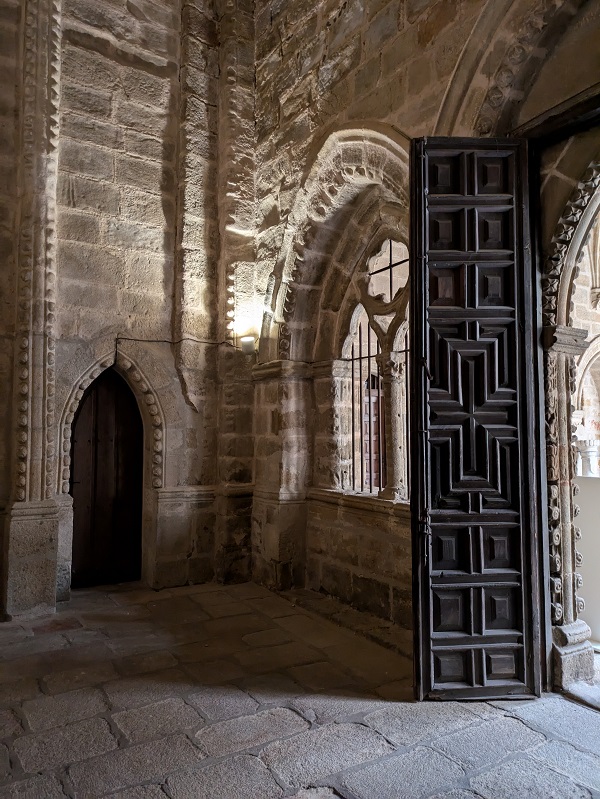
(563, 345)
(522, 59)
(147, 398)
(554, 263)
(349, 163)
(34, 441)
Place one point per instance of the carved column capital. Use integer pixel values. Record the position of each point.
(565, 339)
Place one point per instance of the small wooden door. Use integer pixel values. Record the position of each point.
(106, 484)
(474, 439)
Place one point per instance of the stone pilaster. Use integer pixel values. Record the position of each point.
(283, 418)
(31, 522)
(573, 655)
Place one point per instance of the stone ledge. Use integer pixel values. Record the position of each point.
(361, 502)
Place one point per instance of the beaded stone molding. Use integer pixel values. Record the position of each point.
(147, 399)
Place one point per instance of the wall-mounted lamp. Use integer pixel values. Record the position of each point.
(248, 344)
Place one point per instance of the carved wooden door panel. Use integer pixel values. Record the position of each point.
(473, 444)
(106, 484)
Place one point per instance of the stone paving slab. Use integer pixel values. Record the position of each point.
(311, 756)
(284, 705)
(237, 777)
(141, 792)
(409, 776)
(61, 709)
(9, 724)
(221, 702)
(525, 777)
(148, 688)
(157, 720)
(146, 662)
(579, 766)
(579, 725)
(249, 732)
(480, 745)
(64, 745)
(34, 788)
(275, 658)
(408, 723)
(149, 762)
(83, 677)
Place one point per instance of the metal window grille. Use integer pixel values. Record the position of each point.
(368, 472)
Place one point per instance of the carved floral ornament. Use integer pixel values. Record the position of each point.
(141, 388)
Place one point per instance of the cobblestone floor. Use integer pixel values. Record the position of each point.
(213, 692)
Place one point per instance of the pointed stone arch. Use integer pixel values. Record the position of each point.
(352, 166)
(150, 408)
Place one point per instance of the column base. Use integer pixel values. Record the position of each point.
(572, 654)
(30, 549)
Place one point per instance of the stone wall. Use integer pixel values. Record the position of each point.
(10, 13)
(358, 549)
(322, 65)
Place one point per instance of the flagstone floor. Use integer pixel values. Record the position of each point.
(233, 692)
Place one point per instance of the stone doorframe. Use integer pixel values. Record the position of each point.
(154, 427)
(573, 657)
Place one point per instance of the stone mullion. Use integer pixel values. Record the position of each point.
(395, 406)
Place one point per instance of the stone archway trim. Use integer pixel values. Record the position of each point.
(147, 398)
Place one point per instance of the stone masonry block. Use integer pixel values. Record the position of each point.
(148, 175)
(141, 118)
(131, 236)
(86, 159)
(149, 209)
(85, 100)
(88, 129)
(87, 67)
(145, 88)
(76, 226)
(83, 194)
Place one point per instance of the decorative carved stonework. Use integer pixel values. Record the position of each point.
(521, 61)
(34, 444)
(147, 398)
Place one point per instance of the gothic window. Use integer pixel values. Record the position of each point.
(376, 351)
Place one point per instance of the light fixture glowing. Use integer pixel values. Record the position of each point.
(248, 344)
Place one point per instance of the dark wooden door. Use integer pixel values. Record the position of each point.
(106, 484)
(474, 448)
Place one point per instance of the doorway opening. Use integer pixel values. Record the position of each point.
(107, 484)
(585, 408)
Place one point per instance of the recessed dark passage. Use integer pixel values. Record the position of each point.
(106, 484)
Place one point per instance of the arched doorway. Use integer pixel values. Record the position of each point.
(106, 484)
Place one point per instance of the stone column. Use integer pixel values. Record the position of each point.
(32, 517)
(572, 653)
(283, 468)
(332, 381)
(235, 281)
(392, 369)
